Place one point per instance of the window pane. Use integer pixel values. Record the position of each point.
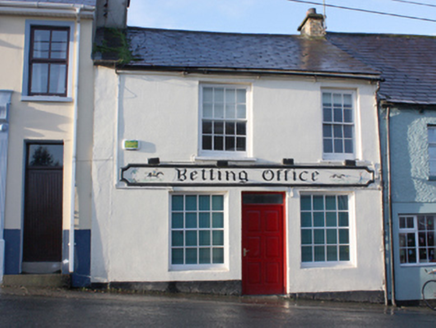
(331, 236)
(191, 220)
(204, 203)
(217, 203)
(411, 240)
(177, 256)
(338, 145)
(204, 220)
(332, 253)
(59, 45)
(344, 253)
(306, 254)
(240, 96)
(330, 202)
(217, 238)
(204, 255)
(306, 236)
(240, 144)
(207, 143)
(328, 145)
(39, 78)
(241, 111)
(207, 111)
(177, 220)
(343, 236)
(177, 203)
(240, 129)
(319, 253)
(306, 203)
(58, 74)
(331, 219)
(306, 219)
(204, 238)
(327, 114)
(230, 143)
(318, 219)
(230, 128)
(191, 238)
(191, 203)
(318, 202)
(191, 256)
(343, 202)
(219, 95)
(348, 146)
(45, 155)
(326, 99)
(343, 219)
(230, 95)
(207, 95)
(41, 43)
(318, 235)
(218, 255)
(411, 256)
(218, 143)
(230, 111)
(217, 220)
(177, 238)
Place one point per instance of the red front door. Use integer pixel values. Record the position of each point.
(262, 245)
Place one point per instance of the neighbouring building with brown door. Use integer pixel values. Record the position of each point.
(46, 117)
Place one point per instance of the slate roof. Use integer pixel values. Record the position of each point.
(78, 2)
(407, 63)
(178, 49)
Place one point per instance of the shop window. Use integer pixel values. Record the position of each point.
(47, 67)
(325, 228)
(432, 150)
(197, 230)
(223, 120)
(338, 125)
(417, 239)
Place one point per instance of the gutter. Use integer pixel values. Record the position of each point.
(230, 71)
(38, 8)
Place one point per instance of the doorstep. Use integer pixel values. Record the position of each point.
(37, 280)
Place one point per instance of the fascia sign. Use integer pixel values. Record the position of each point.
(208, 175)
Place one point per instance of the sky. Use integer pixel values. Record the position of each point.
(282, 16)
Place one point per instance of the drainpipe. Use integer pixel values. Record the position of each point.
(391, 232)
(74, 144)
(383, 209)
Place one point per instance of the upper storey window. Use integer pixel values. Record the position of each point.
(338, 125)
(47, 73)
(48, 61)
(223, 120)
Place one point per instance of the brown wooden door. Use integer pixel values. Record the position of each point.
(42, 235)
(263, 249)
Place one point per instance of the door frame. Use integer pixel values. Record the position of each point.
(284, 231)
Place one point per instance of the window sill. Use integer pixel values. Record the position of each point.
(327, 265)
(223, 158)
(46, 99)
(200, 267)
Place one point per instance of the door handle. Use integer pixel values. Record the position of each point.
(245, 251)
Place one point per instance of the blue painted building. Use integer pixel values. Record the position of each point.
(407, 117)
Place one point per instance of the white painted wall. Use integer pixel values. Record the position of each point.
(130, 232)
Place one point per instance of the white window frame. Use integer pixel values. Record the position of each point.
(225, 229)
(25, 85)
(431, 135)
(351, 232)
(218, 154)
(415, 231)
(343, 155)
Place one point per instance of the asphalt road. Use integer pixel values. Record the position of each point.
(85, 309)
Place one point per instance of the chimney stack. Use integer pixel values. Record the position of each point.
(313, 25)
(112, 13)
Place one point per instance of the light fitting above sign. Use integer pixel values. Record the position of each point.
(259, 175)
